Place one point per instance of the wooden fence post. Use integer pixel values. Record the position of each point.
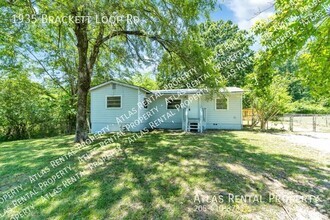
(291, 123)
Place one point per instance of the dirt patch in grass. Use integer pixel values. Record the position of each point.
(160, 176)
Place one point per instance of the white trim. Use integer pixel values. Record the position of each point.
(106, 102)
(241, 97)
(224, 90)
(205, 116)
(119, 83)
(138, 99)
(222, 109)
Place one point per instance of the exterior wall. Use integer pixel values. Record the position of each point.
(174, 122)
(230, 118)
(142, 110)
(102, 117)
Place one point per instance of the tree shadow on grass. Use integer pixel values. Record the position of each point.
(278, 167)
(161, 155)
(20, 159)
(158, 176)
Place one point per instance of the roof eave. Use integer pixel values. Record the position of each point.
(120, 83)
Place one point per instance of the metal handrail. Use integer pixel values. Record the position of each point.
(204, 114)
(186, 119)
(201, 119)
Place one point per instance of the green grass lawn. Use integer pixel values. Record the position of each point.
(163, 175)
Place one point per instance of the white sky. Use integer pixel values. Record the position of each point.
(246, 12)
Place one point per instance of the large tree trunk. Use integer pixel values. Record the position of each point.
(72, 117)
(263, 123)
(84, 80)
(81, 124)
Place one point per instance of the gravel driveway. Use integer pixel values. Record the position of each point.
(317, 140)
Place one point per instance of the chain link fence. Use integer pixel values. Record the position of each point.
(291, 122)
(301, 122)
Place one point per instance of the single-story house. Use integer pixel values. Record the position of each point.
(120, 106)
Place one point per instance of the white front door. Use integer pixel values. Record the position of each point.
(193, 108)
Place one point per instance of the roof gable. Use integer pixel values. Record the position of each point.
(119, 83)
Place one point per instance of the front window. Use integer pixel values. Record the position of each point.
(114, 102)
(171, 104)
(221, 103)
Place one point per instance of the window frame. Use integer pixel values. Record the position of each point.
(174, 107)
(221, 109)
(106, 102)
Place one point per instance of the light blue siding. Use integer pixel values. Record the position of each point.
(142, 110)
(131, 112)
(174, 122)
(231, 118)
(101, 116)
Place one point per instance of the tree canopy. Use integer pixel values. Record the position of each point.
(219, 48)
(131, 32)
(299, 30)
(28, 110)
(61, 48)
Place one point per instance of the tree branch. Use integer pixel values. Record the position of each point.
(96, 48)
(100, 40)
(137, 33)
(50, 75)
